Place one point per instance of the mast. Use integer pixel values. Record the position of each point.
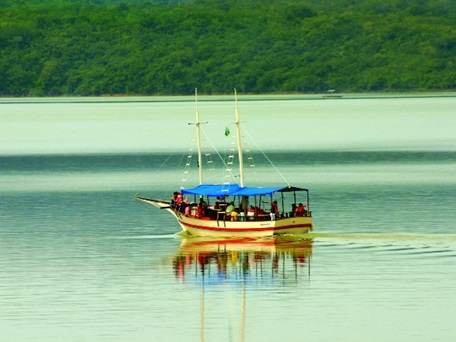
(198, 138)
(239, 145)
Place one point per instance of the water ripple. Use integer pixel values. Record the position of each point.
(419, 245)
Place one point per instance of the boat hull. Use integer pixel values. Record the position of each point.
(222, 228)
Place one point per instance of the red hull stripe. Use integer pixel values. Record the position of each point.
(230, 241)
(222, 229)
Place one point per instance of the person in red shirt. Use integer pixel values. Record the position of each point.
(301, 210)
(293, 210)
(179, 202)
(199, 211)
(274, 210)
(174, 199)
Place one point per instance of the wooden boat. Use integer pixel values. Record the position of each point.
(235, 210)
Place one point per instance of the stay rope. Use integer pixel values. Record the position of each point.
(267, 158)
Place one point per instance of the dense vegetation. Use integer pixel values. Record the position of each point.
(95, 47)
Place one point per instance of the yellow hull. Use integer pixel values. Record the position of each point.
(254, 229)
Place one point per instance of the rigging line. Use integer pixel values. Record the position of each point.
(267, 158)
(161, 167)
(168, 188)
(163, 164)
(183, 156)
(217, 152)
(229, 159)
(168, 191)
(184, 164)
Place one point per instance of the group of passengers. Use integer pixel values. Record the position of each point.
(299, 210)
(243, 212)
(180, 203)
(177, 200)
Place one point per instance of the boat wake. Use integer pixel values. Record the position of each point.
(429, 245)
(153, 237)
(385, 236)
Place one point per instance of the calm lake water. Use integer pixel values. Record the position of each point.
(80, 260)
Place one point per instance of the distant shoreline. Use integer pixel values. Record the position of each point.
(191, 98)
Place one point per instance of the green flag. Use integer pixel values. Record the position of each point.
(227, 131)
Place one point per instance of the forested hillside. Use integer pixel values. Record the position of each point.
(97, 47)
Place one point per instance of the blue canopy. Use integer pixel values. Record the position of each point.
(218, 190)
(253, 191)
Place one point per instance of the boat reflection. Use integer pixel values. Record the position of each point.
(275, 260)
(240, 264)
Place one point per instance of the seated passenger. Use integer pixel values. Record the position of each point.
(229, 208)
(259, 211)
(300, 210)
(293, 210)
(199, 211)
(203, 204)
(187, 210)
(234, 215)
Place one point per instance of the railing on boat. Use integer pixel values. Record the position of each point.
(220, 215)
